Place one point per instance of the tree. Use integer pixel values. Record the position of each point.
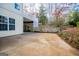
(58, 17)
(73, 18)
(42, 16)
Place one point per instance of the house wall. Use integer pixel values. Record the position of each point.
(11, 7)
(9, 11)
(30, 16)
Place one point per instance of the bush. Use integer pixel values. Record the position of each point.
(77, 24)
(72, 23)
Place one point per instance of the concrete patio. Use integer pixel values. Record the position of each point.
(36, 44)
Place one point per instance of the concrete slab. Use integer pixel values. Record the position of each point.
(36, 44)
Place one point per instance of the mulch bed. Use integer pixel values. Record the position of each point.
(71, 36)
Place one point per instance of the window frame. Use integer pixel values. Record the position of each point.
(11, 24)
(3, 23)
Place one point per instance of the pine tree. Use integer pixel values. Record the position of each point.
(42, 15)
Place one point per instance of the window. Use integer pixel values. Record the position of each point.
(11, 24)
(3, 23)
(17, 6)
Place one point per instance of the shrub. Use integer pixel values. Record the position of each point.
(77, 24)
(72, 23)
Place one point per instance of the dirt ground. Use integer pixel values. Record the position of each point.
(36, 44)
